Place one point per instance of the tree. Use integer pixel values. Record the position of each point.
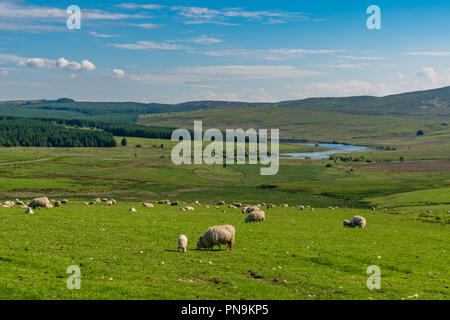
(124, 142)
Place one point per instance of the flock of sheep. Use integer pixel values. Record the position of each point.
(214, 236)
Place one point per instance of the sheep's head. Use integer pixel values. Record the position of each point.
(201, 244)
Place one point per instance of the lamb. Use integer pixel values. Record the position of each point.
(182, 243)
(29, 211)
(216, 236)
(40, 202)
(359, 221)
(132, 209)
(256, 216)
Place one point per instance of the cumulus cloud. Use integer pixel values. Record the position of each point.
(119, 73)
(428, 73)
(102, 35)
(204, 39)
(61, 63)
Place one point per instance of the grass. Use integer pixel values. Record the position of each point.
(126, 255)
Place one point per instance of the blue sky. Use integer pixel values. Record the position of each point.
(175, 51)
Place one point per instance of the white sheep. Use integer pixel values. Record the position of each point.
(216, 236)
(359, 221)
(182, 243)
(256, 216)
(348, 224)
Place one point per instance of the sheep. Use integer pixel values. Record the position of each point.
(359, 221)
(301, 208)
(57, 204)
(114, 202)
(8, 204)
(175, 203)
(270, 206)
(86, 204)
(197, 203)
(285, 205)
(216, 236)
(29, 211)
(256, 216)
(109, 203)
(97, 200)
(189, 208)
(249, 209)
(92, 203)
(221, 203)
(147, 205)
(182, 243)
(348, 224)
(163, 202)
(40, 202)
(19, 203)
(232, 207)
(65, 201)
(237, 204)
(132, 209)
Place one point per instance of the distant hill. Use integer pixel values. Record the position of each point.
(429, 104)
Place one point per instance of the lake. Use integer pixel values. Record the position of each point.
(334, 149)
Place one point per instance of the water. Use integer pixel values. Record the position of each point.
(334, 149)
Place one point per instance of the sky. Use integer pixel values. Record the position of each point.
(256, 51)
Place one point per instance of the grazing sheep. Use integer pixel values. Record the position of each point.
(98, 200)
(221, 203)
(348, 224)
(104, 199)
(109, 203)
(197, 203)
(256, 216)
(114, 202)
(237, 204)
(92, 203)
(270, 206)
(189, 208)
(359, 221)
(65, 201)
(301, 208)
(285, 205)
(57, 204)
(232, 207)
(19, 203)
(182, 243)
(175, 203)
(182, 209)
(29, 211)
(216, 236)
(147, 205)
(373, 209)
(40, 202)
(86, 204)
(249, 209)
(132, 209)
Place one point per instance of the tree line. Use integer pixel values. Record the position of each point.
(40, 133)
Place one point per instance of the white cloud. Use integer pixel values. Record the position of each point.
(213, 96)
(362, 58)
(3, 73)
(149, 26)
(61, 63)
(428, 73)
(204, 39)
(270, 54)
(141, 6)
(430, 53)
(145, 45)
(101, 35)
(193, 75)
(119, 73)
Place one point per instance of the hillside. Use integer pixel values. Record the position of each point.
(430, 104)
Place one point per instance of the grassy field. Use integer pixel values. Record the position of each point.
(292, 255)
